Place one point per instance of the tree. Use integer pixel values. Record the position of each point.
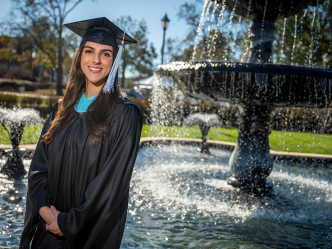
(23, 54)
(138, 57)
(42, 21)
(303, 39)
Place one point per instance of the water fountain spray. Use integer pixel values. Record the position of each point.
(205, 122)
(14, 121)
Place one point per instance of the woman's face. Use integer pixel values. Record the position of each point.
(96, 62)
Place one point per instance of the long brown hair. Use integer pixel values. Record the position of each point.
(98, 111)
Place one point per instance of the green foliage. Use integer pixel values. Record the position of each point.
(9, 86)
(23, 47)
(302, 119)
(313, 37)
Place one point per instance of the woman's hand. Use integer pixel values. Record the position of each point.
(53, 227)
(47, 215)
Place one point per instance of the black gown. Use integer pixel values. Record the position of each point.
(89, 185)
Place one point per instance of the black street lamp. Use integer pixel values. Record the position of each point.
(164, 22)
(14, 50)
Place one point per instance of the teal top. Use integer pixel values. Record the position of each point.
(83, 103)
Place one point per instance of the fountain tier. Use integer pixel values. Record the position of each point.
(252, 84)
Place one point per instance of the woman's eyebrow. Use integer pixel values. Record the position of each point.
(101, 50)
(107, 50)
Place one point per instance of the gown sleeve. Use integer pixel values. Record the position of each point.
(38, 191)
(107, 190)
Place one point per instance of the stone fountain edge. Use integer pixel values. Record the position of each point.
(278, 156)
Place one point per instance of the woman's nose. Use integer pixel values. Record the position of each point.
(96, 58)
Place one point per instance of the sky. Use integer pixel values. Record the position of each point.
(150, 10)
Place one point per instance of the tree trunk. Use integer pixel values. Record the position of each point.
(59, 74)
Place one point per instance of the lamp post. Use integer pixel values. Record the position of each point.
(326, 59)
(164, 22)
(14, 50)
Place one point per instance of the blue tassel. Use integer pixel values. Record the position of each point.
(109, 85)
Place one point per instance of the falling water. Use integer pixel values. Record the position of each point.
(245, 55)
(210, 34)
(249, 6)
(316, 38)
(263, 20)
(246, 42)
(301, 28)
(219, 23)
(200, 28)
(235, 36)
(225, 55)
(294, 44)
(311, 47)
(207, 14)
(283, 41)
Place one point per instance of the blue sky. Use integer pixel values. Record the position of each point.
(150, 10)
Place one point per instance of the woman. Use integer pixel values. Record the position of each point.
(78, 182)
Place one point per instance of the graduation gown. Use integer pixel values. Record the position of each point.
(89, 185)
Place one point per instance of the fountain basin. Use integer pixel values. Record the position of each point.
(178, 198)
(252, 84)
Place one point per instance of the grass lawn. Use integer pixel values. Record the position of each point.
(31, 134)
(279, 140)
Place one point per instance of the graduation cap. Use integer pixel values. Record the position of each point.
(103, 31)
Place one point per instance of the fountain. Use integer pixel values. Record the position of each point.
(205, 122)
(16, 119)
(257, 87)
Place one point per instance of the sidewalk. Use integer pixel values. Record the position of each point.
(30, 95)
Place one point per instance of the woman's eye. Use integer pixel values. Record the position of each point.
(88, 51)
(106, 54)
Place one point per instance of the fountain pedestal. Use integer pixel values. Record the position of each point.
(14, 167)
(204, 121)
(205, 146)
(251, 161)
(262, 36)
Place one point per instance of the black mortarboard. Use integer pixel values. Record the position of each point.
(99, 30)
(103, 31)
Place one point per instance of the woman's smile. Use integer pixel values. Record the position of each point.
(95, 69)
